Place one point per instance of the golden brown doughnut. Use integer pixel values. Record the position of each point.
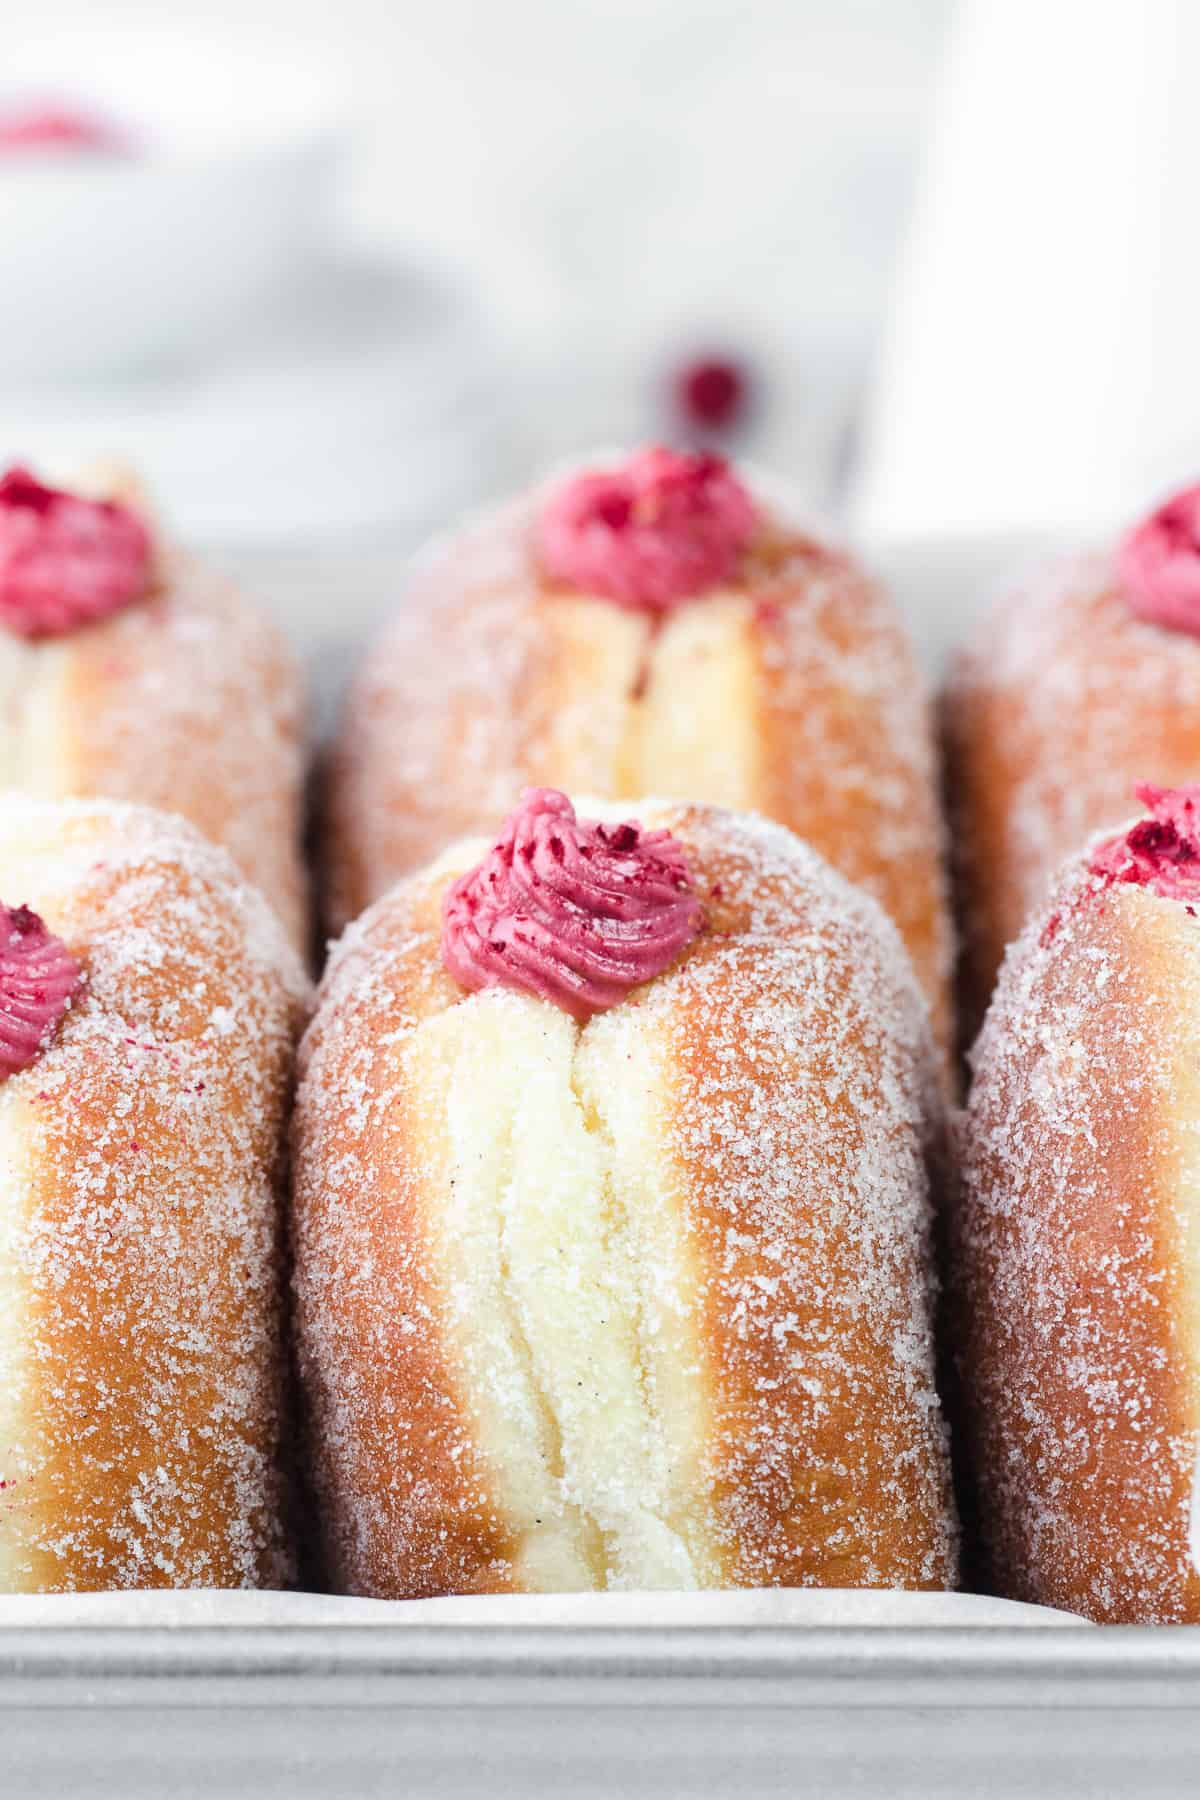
(1073, 687)
(187, 699)
(140, 1161)
(638, 1302)
(788, 689)
(1078, 1237)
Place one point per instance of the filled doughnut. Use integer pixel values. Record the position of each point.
(129, 670)
(648, 628)
(1087, 679)
(148, 1006)
(1078, 1235)
(611, 1221)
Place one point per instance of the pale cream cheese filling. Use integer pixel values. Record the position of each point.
(669, 708)
(572, 1295)
(35, 748)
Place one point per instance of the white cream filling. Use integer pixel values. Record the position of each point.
(702, 668)
(34, 741)
(571, 1297)
(635, 707)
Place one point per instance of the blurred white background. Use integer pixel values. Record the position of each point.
(543, 210)
(373, 260)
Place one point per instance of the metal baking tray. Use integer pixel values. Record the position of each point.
(179, 1696)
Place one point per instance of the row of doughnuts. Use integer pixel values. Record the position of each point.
(610, 1160)
(616, 1134)
(611, 1150)
(760, 670)
(132, 671)
(1074, 1259)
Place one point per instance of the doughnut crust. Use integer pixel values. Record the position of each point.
(1078, 1258)
(140, 1233)
(794, 694)
(643, 1303)
(190, 701)
(1062, 700)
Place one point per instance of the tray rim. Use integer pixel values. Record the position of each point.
(367, 1665)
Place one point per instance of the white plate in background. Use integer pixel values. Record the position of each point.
(123, 261)
(367, 402)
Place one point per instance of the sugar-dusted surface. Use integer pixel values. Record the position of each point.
(791, 691)
(481, 684)
(189, 701)
(645, 1302)
(1078, 1246)
(140, 1157)
(1061, 702)
(848, 757)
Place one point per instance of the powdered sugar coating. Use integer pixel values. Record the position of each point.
(140, 1328)
(189, 700)
(1062, 700)
(450, 712)
(792, 692)
(850, 763)
(1078, 1255)
(781, 1151)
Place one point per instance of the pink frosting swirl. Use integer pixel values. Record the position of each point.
(53, 127)
(1158, 564)
(1161, 852)
(568, 909)
(661, 529)
(65, 561)
(38, 977)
